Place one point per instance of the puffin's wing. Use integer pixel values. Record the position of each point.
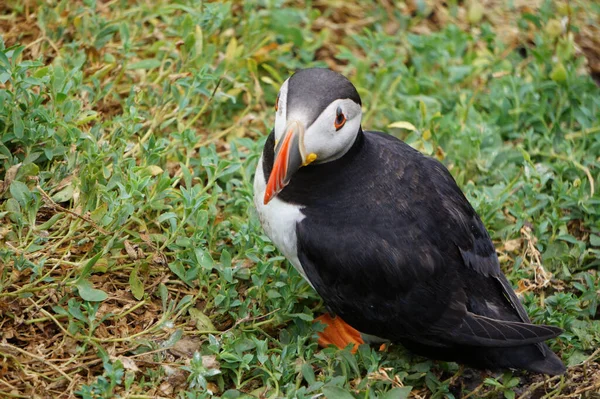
(478, 254)
(483, 331)
(468, 232)
(486, 263)
(408, 256)
(376, 290)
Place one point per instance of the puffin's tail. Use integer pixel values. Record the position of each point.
(533, 357)
(537, 358)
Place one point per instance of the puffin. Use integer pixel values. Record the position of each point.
(386, 237)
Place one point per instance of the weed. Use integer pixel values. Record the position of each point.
(132, 262)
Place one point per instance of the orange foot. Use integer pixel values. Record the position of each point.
(338, 333)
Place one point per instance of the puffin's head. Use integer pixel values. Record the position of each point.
(317, 119)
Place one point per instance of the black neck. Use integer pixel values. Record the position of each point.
(310, 183)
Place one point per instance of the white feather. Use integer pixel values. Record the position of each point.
(279, 220)
(281, 114)
(322, 138)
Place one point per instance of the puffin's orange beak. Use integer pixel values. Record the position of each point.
(288, 159)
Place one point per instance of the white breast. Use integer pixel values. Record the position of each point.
(278, 219)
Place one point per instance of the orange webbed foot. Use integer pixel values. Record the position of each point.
(338, 333)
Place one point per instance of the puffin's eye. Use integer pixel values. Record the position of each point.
(277, 103)
(340, 119)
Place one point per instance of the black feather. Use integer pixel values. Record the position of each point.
(395, 249)
(322, 86)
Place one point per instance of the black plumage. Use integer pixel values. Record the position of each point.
(316, 88)
(395, 249)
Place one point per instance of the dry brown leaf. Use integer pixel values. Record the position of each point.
(128, 363)
(210, 362)
(212, 387)
(131, 250)
(541, 276)
(166, 388)
(9, 176)
(513, 245)
(185, 347)
(175, 376)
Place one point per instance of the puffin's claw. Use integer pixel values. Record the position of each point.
(338, 333)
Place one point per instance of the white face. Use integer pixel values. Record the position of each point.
(322, 137)
(281, 113)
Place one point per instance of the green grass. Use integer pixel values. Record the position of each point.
(132, 263)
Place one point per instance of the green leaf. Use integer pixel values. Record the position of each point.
(60, 97)
(577, 358)
(88, 266)
(163, 292)
(165, 216)
(13, 206)
(302, 316)
(64, 195)
(423, 109)
(27, 170)
(308, 373)
(137, 286)
(3, 59)
(58, 78)
(177, 268)
(336, 393)
(49, 223)
(149, 63)
(203, 258)
(198, 40)
(559, 73)
(4, 77)
(203, 322)
(176, 336)
(153, 170)
(42, 72)
(99, 212)
(20, 192)
(595, 240)
(18, 126)
(88, 293)
(493, 382)
(225, 258)
(403, 125)
(74, 307)
(398, 393)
